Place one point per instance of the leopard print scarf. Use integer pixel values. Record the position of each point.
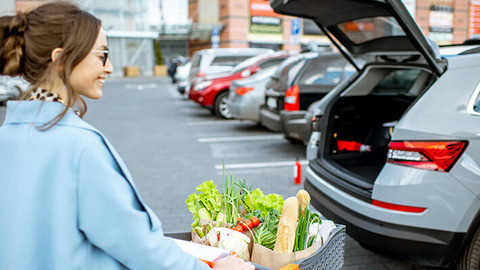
(43, 94)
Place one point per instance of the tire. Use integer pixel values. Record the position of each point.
(470, 260)
(221, 107)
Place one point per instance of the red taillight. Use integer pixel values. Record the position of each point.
(398, 207)
(243, 90)
(201, 74)
(428, 155)
(292, 102)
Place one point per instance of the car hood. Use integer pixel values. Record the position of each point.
(381, 29)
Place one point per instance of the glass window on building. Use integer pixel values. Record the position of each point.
(275, 47)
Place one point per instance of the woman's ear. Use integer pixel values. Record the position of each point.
(56, 53)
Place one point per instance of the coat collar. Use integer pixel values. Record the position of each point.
(41, 112)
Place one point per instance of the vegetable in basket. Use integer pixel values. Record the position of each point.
(203, 204)
(256, 200)
(303, 238)
(266, 233)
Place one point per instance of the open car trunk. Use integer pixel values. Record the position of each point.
(360, 124)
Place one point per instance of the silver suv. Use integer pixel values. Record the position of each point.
(395, 152)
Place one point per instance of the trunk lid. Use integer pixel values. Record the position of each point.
(375, 30)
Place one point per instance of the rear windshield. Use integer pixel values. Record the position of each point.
(228, 61)
(398, 81)
(323, 71)
(367, 29)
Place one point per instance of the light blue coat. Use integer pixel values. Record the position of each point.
(67, 200)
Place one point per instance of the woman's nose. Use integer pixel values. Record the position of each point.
(108, 67)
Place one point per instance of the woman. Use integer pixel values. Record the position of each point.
(67, 200)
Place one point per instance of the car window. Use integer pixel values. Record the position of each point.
(293, 71)
(322, 71)
(244, 64)
(229, 61)
(271, 62)
(286, 64)
(397, 82)
(366, 29)
(474, 103)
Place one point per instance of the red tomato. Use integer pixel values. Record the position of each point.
(238, 228)
(255, 220)
(248, 224)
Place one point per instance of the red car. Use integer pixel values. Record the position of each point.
(212, 91)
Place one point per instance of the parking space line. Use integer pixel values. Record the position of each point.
(217, 122)
(240, 138)
(260, 165)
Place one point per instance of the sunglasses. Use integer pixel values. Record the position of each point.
(105, 55)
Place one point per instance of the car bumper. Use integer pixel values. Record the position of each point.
(199, 97)
(245, 107)
(270, 119)
(402, 235)
(296, 125)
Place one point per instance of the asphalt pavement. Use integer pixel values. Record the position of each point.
(171, 145)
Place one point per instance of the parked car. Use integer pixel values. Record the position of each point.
(246, 95)
(297, 84)
(221, 60)
(181, 77)
(11, 88)
(398, 155)
(212, 91)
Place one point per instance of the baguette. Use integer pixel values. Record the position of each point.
(303, 199)
(287, 226)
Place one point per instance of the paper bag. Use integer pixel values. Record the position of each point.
(276, 260)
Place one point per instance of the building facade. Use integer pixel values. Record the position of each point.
(252, 23)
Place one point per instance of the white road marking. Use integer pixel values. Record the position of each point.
(217, 122)
(260, 165)
(241, 138)
(141, 87)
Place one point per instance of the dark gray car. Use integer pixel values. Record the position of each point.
(296, 84)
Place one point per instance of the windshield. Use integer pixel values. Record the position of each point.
(367, 29)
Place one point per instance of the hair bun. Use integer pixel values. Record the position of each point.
(14, 43)
(18, 24)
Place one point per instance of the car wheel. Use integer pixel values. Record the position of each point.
(221, 106)
(471, 257)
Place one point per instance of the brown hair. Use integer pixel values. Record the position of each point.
(28, 39)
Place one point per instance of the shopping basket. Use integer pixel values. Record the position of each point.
(328, 257)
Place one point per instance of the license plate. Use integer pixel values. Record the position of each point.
(272, 103)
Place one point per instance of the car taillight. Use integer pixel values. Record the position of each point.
(292, 102)
(398, 207)
(428, 155)
(201, 74)
(243, 90)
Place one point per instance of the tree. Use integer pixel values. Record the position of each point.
(158, 53)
